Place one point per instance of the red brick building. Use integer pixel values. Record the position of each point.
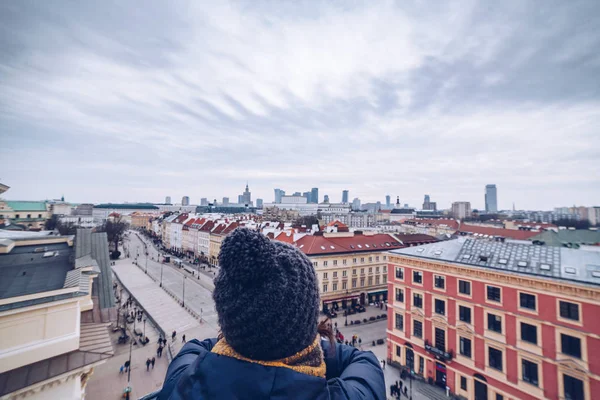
(495, 320)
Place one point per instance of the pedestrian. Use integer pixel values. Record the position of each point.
(121, 370)
(183, 339)
(383, 361)
(359, 341)
(126, 365)
(148, 364)
(399, 383)
(173, 335)
(153, 361)
(294, 337)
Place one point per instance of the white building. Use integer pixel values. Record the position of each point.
(81, 221)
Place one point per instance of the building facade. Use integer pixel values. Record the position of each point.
(25, 214)
(461, 209)
(344, 196)
(491, 199)
(492, 320)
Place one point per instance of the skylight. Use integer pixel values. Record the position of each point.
(466, 256)
(570, 270)
(367, 246)
(437, 253)
(596, 274)
(332, 247)
(322, 247)
(522, 264)
(420, 250)
(359, 246)
(545, 267)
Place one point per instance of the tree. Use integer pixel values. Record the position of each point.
(307, 220)
(66, 229)
(51, 223)
(114, 230)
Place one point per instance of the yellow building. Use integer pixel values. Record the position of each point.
(25, 214)
(46, 352)
(216, 237)
(141, 220)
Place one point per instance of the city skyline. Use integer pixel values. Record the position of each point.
(178, 102)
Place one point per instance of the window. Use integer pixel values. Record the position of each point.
(421, 365)
(418, 300)
(384, 258)
(324, 288)
(399, 321)
(334, 287)
(418, 329)
(377, 280)
(464, 287)
(354, 260)
(530, 372)
(344, 273)
(362, 259)
(17, 216)
(464, 314)
(335, 274)
(353, 283)
(440, 339)
(370, 270)
(465, 346)
(384, 269)
(324, 263)
(398, 351)
(499, 396)
(334, 262)
(463, 383)
(493, 293)
(400, 295)
(316, 264)
(370, 281)
(440, 307)
(344, 285)
(28, 215)
(417, 277)
(370, 259)
(354, 271)
(344, 261)
(569, 310)
(39, 215)
(495, 323)
(440, 282)
(495, 358)
(528, 333)
(362, 271)
(527, 301)
(324, 275)
(573, 388)
(570, 345)
(399, 273)
(362, 282)
(376, 270)
(377, 258)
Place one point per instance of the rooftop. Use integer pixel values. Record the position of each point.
(520, 258)
(320, 245)
(497, 232)
(18, 205)
(128, 206)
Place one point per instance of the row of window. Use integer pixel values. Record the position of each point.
(378, 281)
(527, 301)
(362, 272)
(354, 261)
(17, 216)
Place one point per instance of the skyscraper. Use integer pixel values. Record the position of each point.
(168, 200)
(429, 205)
(307, 195)
(388, 202)
(185, 201)
(259, 203)
(204, 201)
(461, 209)
(345, 196)
(326, 198)
(314, 195)
(225, 200)
(278, 194)
(240, 199)
(246, 196)
(356, 204)
(491, 199)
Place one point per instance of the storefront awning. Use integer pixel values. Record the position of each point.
(381, 291)
(350, 297)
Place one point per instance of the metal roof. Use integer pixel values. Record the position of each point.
(521, 258)
(18, 205)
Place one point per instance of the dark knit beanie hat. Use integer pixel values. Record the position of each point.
(266, 296)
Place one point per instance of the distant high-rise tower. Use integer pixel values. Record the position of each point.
(307, 195)
(278, 194)
(326, 198)
(388, 202)
(314, 195)
(185, 201)
(461, 209)
(297, 194)
(225, 200)
(429, 205)
(397, 202)
(246, 196)
(168, 200)
(491, 199)
(356, 204)
(204, 201)
(240, 199)
(345, 196)
(259, 203)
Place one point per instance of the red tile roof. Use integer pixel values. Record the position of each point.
(230, 228)
(417, 238)
(318, 245)
(338, 223)
(286, 237)
(207, 227)
(450, 223)
(506, 233)
(219, 229)
(541, 225)
(181, 218)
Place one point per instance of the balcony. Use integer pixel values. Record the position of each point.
(439, 353)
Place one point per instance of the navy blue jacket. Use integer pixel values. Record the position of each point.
(197, 374)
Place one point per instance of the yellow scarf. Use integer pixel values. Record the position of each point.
(308, 361)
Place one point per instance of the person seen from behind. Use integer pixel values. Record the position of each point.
(271, 345)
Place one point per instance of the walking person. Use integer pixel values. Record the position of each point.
(153, 361)
(173, 335)
(383, 361)
(183, 339)
(127, 365)
(148, 364)
(293, 355)
(121, 370)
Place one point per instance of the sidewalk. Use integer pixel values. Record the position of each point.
(160, 306)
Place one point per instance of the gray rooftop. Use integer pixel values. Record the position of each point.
(515, 257)
(25, 271)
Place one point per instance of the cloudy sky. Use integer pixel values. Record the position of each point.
(107, 101)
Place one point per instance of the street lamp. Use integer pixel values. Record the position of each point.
(144, 338)
(161, 270)
(183, 297)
